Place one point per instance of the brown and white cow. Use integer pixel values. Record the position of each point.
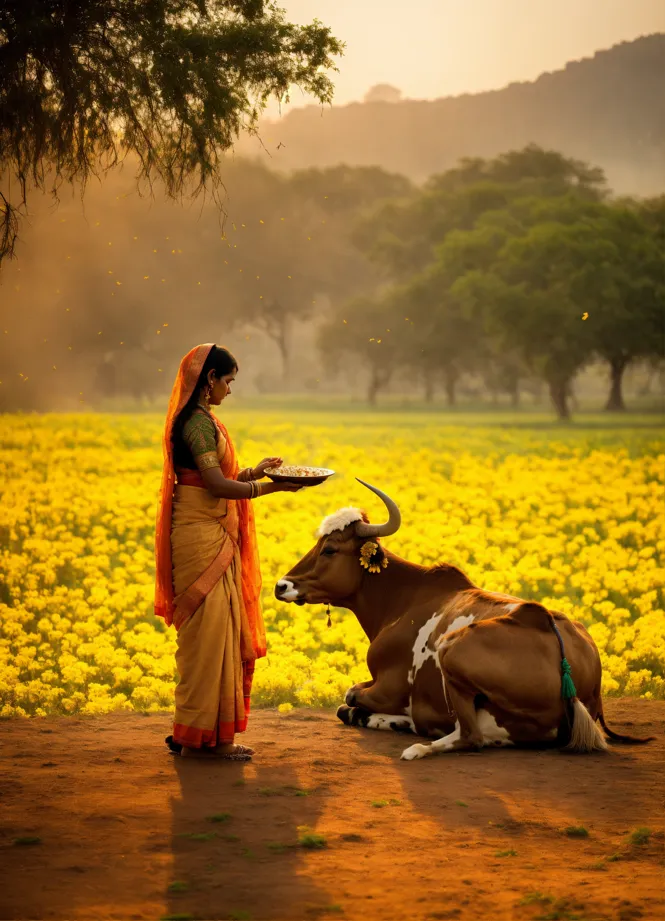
(449, 661)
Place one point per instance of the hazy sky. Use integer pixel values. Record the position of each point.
(431, 48)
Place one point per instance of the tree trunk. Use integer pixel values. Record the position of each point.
(615, 401)
(451, 382)
(377, 381)
(514, 391)
(429, 386)
(283, 346)
(559, 395)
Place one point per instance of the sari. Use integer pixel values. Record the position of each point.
(208, 585)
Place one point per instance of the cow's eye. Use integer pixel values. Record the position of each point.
(329, 551)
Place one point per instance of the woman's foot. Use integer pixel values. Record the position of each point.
(233, 749)
(220, 753)
(197, 752)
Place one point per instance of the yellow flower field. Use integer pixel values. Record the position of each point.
(571, 517)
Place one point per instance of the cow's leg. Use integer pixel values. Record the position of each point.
(473, 728)
(384, 698)
(387, 694)
(359, 716)
(349, 697)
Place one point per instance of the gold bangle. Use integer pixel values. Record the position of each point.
(251, 490)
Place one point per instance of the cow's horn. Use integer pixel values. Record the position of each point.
(380, 530)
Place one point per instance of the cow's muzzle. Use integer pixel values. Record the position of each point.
(285, 590)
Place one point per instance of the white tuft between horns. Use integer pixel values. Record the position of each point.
(380, 530)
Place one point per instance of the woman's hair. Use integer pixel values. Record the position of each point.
(219, 360)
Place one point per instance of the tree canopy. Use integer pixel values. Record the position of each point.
(85, 83)
(497, 265)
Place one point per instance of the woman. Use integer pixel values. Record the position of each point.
(208, 580)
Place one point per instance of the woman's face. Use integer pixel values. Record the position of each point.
(221, 387)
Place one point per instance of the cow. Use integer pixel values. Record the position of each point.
(449, 661)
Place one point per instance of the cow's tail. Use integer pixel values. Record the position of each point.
(616, 737)
(584, 735)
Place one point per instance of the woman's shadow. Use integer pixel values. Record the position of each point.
(235, 831)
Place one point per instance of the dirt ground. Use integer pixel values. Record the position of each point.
(125, 831)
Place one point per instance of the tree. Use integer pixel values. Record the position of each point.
(366, 328)
(630, 321)
(288, 242)
(537, 295)
(86, 83)
(437, 339)
(404, 235)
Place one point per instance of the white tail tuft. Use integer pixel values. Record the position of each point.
(585, 735)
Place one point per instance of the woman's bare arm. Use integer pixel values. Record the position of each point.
(222, 488)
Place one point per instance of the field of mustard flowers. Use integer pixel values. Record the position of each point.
(571, 516)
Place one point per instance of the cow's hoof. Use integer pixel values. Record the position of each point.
(350, 697)
(353, 716)
(344, 714)
(414, 752)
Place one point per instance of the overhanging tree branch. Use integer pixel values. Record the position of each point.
(86, 83)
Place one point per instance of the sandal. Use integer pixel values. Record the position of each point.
(235, 756)
(174, 747)
(241, 753)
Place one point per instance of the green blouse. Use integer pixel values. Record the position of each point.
(200, 435)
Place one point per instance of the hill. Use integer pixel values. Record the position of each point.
(607, 110)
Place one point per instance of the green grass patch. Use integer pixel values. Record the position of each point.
(178, 886)
(270, 791)
(577, 831)
(310, 839)
(379, 803)
(239, 916)
(509, 853)
(459, 802)
(536, 898)
(640, 837)
(219, 817)
(352, 837)
(198, 836)
(277, 847)
(298, 791)
(27, 840)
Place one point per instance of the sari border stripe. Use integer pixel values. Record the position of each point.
(193, 597)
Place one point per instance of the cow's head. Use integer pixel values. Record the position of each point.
(332, 570)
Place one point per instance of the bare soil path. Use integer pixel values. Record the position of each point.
(126, 830)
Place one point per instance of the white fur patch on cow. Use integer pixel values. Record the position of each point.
(463, 620)
(417, 751)
(339, 520)
(386, 721)
(421, 650)
(511, 607)
(493, 735)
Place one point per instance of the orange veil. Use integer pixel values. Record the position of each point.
(185, 382)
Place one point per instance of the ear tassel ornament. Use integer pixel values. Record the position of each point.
(367, 552)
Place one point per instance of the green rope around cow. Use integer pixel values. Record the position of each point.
(568, 689)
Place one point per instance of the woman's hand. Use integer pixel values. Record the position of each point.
(260, 470)
(290, 487)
